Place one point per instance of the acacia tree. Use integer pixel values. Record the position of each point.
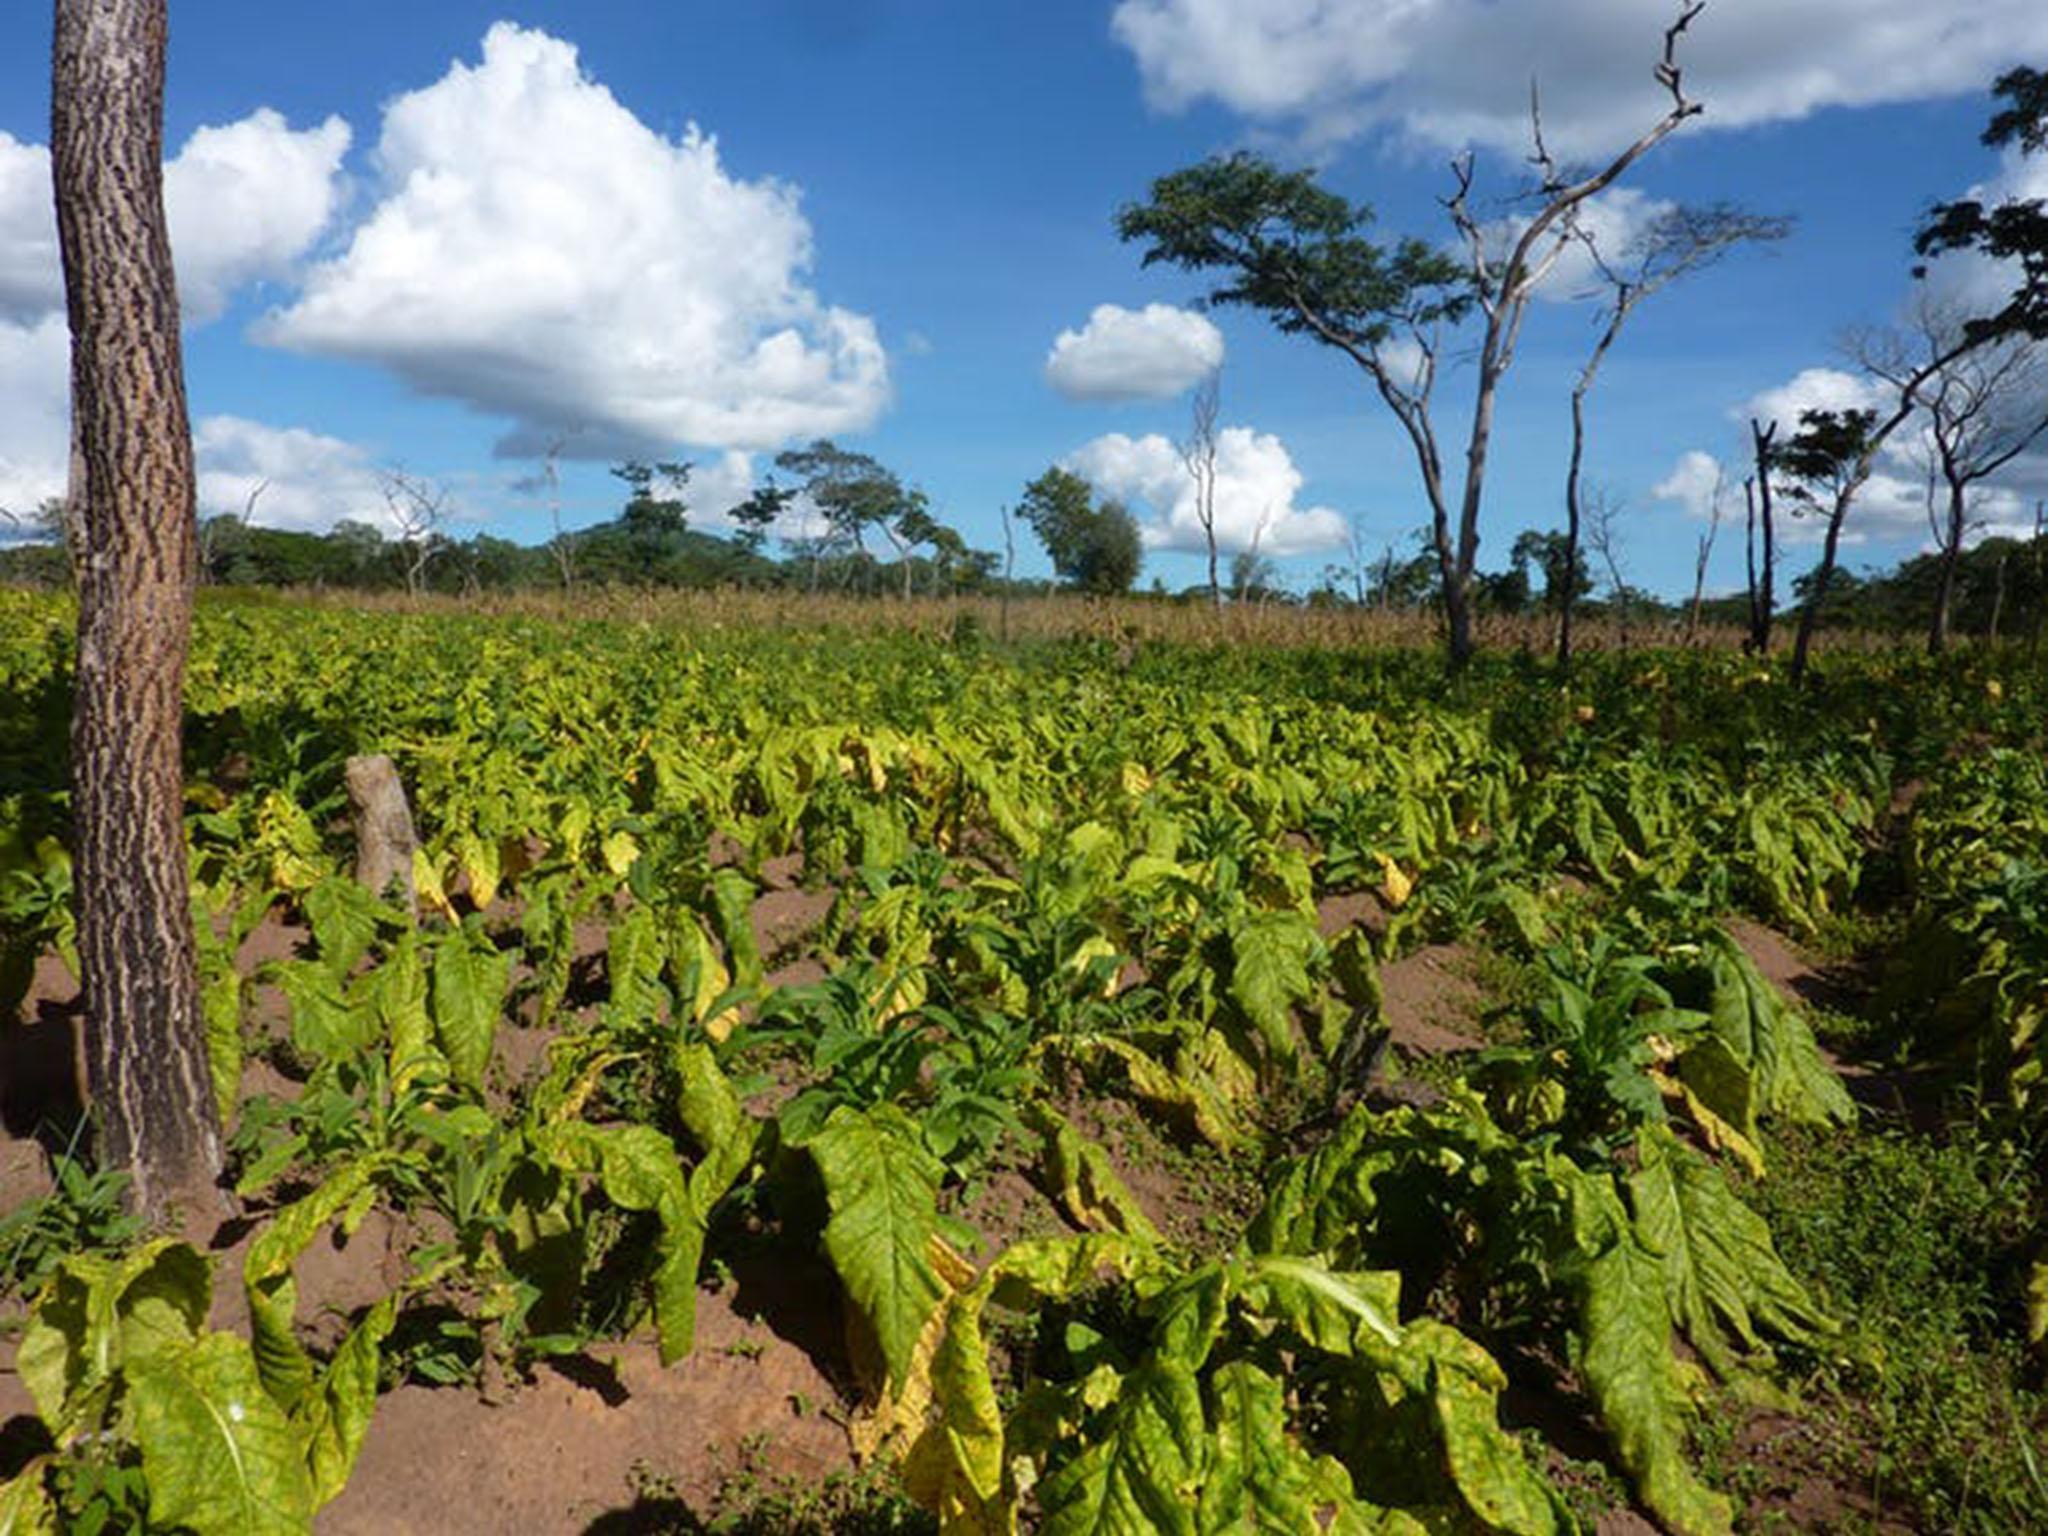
(133, 504)
(1825, 463)
(1675, 244)
(1295, 252)
(851, 492)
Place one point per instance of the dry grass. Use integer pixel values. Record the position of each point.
(1048, 617)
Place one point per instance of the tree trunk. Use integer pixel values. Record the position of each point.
(1997, 600)
(1809, 616)
(1951, 559)
(1458, 593)
(132, 460)
(1763, 602)
(1458, 621)
(1568, 599)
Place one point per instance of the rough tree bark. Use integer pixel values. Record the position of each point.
(1763, 599)
(132, 485)
(385, 841)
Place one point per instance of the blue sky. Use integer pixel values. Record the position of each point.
(406, 238)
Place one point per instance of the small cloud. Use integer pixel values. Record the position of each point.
(1256, 487)
(1694, 483)
(1121, 354)
(298, 479)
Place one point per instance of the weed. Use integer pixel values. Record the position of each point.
(1920, 1243)
(84, 1213)
(748, 1501)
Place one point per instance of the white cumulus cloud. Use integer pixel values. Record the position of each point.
(1811, 389)
(1693, 484)
(245, 201)
(1453, 72)
(300, 479)
(541, 254)
(1256, 486)
(35, 411)
(31, 281)
(1145, 354)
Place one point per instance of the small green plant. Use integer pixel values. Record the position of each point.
(84, 1213)
(1922, 1245)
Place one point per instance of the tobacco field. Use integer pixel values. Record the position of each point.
(1035, 1003)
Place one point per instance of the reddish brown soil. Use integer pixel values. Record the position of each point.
(783, 918)
(1335, 915)
(1431, 1001)
(564, 1450)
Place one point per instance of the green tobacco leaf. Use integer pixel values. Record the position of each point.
(333, 1418)
(104, 1314)
(220, 1006)
(1188, 1095)
(287, 1370)
(640, 1171)
(732, 901)
(882, 1187)
(1137, 1471)
(1723, 1085)
(401, 991)
(219, 1453)
(1084, 1181)
(1486, 1463)
(716, 1120)
(1773, 1040)
(1259, 1481)
(1625, 1360)
(1269, 974)
(1339, 1313)
(325, 1023)
(470, 978)
(634, 955)
(25, 1507)
(343, 916)
(955, 1466)
(1722, 1275)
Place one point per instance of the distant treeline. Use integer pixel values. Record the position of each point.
(2001, 583)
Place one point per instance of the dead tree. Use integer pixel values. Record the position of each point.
(562, 546)
(1603, 537)
(416, 510)
(1704, 554)
(1677, 243)
(1198, 454)
(385, 842)
(133, 503)
(1504, 290)
(1763, 597)
(1982, 410)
